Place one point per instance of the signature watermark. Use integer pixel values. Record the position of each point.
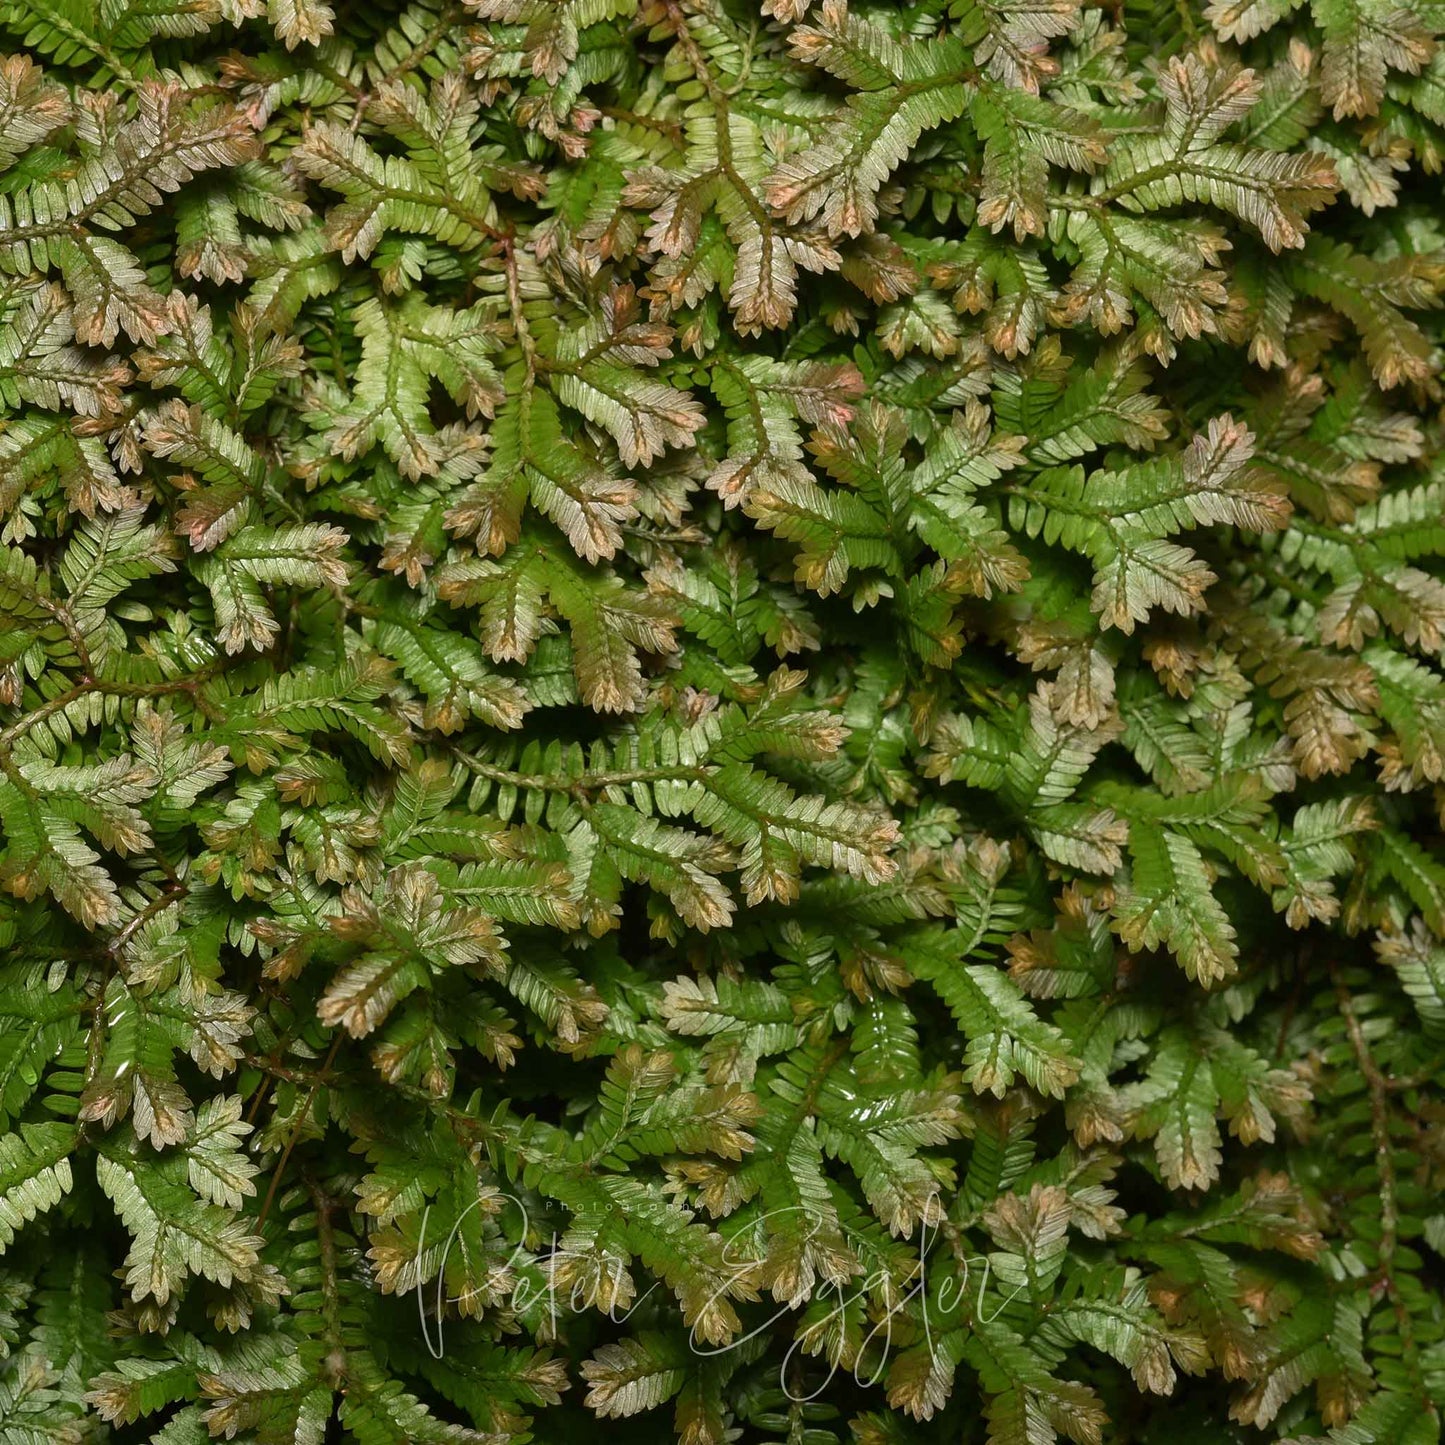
(560, 1292)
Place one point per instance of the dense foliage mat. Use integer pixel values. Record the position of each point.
(721, 722)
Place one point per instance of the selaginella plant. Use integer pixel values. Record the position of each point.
(722, 721)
